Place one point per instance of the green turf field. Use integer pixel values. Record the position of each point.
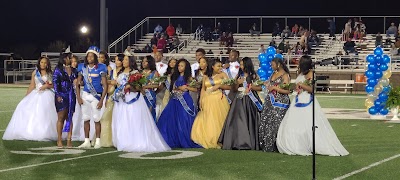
(367, 141)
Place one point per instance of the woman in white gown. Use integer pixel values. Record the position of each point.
(133, 126)
(295, 133)
(35, 117)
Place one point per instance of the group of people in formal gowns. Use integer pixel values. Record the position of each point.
(209, 104)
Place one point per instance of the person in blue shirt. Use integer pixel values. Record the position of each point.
(95, 89)
(158, 29)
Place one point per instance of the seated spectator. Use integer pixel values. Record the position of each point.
(286, 32)
(281, 47)
(273, 44)
(313, 39)
(161, 44)
(222, 39)
(147, 49)
(229, 40)
(158, 29)
(388, 42)
(378, 40)
(347, 30)
(393, 50)
(301, 31)
(349, 46)
(137, 49)
(215, 34)
(287, 47)
(154, 40)
(254, 30)
(128, 51)
(392, 30)
(199, 32)
(155, 50)
(210, 52)
(276, 30)
(170, 30)
(397, 43)
(179, 30)
(363, 29)
(261, 50)
(207, 34)
(295, 30)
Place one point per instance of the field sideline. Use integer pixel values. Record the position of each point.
(373, 146)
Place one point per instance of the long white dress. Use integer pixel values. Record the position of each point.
(133, 126)
(295, 133)
(35, 117)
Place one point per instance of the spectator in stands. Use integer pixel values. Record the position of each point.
(175, 42)
(161, 44)
(286, 32)
(347, 30)
(147, 49)
(355, 24)
(261, 50)
(276, 30)
(199, 32)
(281, 47)
(207, 34)
(363, 29)
(222, 39)
(273, 44)
(301, 31)
(287, 47)
(179, 30)
(158, 29)
(313, 39)
(388, 42)
(295, 30)
(392, 30)
(170, 30)
(397, 43)
(229, 40)
(128, 50)
(154, 40)
(155, 50)
(378, 39)
(254, 30)
(349, 46)
(303, 40)
(215, 34)
(219, 28)
(210, 52)
(137, 49)
(393, 50)
(332, 27)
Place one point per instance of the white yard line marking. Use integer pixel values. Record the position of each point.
(53, 162)
(367, 167)
(6, 111)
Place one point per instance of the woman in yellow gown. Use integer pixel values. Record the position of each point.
(106, 119)
(214, 107)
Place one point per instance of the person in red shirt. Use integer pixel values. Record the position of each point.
(162, 43)
(170, 30)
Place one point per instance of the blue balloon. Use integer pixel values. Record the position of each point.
(271, 50)
(370, 58)
(383, 67)
(369, 89)
(270, 71)
(270, 57)
(280, 56)
(372, 82)
(378, 59)
(262, 57)
(261, 72)
(372, 110)
(378, 74)
(383, 97)
(386, 59)
(386, 89)
(384, 111)
(372, 67)
(378, 51)
(264, 65)
(263, 78)
(378, 103)
(369, 74)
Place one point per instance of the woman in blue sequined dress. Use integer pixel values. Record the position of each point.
(65, 98)
(176, 121)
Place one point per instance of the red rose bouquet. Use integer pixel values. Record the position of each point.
(137, 80)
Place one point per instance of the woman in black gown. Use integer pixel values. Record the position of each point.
(240, 131)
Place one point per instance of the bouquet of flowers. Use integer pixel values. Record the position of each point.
(258, 83)
(300, 90)
(137, 80)
(194, 84)
(291, 86)
(228, 82)
(157, 80)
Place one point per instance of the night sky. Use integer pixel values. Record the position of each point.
(39, 22)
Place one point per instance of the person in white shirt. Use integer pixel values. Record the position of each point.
(231, 68)
(161, 67)
(200, 53)
(261, 50)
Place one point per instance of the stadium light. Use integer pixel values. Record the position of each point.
(84, 30)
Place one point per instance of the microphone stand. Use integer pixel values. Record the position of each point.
(313, 118)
